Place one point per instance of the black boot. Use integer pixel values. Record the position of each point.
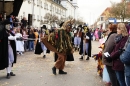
(81, 58)
(54, 70)
(12, 74)
(44, 56)
(87, 58)
(78, 49)
(8, 76)
(62, 72)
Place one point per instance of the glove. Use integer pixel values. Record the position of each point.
(121, 50)
(108, 59)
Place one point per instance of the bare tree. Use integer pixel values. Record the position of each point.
(50, 19)
(79, 22)
(69, 17)
(120, 10)
(60, 20)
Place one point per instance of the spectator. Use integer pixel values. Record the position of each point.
(25, 36)
(1, 17)
(118, 66)
(19, 43)
(109, 44)
(24, 22)
(36, 36)
(31, 42)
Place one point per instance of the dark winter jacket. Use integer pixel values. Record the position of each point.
(117, 64)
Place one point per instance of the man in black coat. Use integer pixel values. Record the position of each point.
(87, 36)
(3, 47)
(24, 22)
(7, 48)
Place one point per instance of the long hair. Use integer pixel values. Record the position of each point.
(123, 29)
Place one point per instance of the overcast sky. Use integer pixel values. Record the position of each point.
(90, 10)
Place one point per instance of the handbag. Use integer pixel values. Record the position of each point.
(106, 77)
(125, 56)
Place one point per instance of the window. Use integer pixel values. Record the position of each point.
(47, 6)
(41, 4)
(35, 1)
(38, 17)
(29, 1)
(50, 8)
(41, 18)
(53, 9)
(44, 5)
(38, 2)
(34, 17)
(102, 18)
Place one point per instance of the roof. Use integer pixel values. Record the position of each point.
(107, 9)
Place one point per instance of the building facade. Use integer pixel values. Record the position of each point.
(72, 8)
(42, 12)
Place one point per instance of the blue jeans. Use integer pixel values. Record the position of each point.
(120, 77)
(31, 45)
(127, 81)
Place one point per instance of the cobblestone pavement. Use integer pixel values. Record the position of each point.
(33, 70)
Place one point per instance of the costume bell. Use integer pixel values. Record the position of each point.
(60, 44)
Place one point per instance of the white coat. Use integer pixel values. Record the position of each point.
(19, 44)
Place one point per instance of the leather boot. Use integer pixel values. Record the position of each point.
(12, 74)
(54, 70)
(81, 58)
(8, 76)
(87, 58)
(62, 72)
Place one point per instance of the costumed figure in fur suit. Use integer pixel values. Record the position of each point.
(69, 56)
(77, 37)
(60, 44)
(85, 45)
(8, 53)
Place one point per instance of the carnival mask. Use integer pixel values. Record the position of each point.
(68, 24)
(7, 26)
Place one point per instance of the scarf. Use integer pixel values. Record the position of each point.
(118, 38)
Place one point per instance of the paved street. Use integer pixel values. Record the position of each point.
(33, 70)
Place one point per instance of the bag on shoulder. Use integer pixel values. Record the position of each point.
(125, 56)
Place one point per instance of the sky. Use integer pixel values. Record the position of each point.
(90, 10)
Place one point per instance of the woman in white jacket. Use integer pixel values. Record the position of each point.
(19, 43)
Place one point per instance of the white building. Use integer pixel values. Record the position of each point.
(37, 11)
(74, 2)
(72, 8)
